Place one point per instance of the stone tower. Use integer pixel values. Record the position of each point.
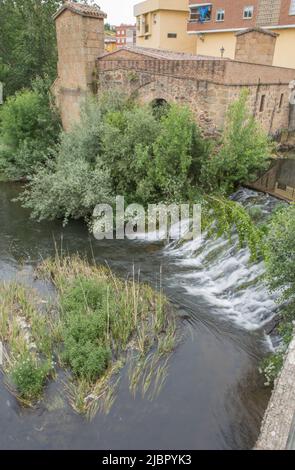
(80, 40)
(256, 45)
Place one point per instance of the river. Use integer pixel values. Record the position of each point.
(214, 397)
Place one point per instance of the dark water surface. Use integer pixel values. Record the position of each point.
(214, 397)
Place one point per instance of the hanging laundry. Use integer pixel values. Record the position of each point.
(204, 11)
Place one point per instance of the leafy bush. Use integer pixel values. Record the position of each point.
(271, 367)
(29, 377)
(29, 127)
(127, 135)
(280, 269)
(121, 148)
(244, 152)
(87, 360)
(66, 190)
(280, 253)
(86, 328)
(179, 152)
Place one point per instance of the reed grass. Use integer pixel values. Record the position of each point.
(98, 322)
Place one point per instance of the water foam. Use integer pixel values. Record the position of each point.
(223, 274)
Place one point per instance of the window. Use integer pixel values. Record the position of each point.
(292, 7)
(201, 13)
(220, 15)
(248, 13)
(262, 104)
(281, 100)
(172, 35)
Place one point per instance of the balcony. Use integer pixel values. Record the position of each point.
(200, 13)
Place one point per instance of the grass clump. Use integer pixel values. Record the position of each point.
(102, 320)
(98, 323)
(28, 347)
(29, 377)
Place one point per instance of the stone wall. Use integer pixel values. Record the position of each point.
(277, 423)
(207, 86)
(256, 46)
(80, 40)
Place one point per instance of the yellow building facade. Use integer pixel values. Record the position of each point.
(162, 24)
(211, 44)
(216, 32)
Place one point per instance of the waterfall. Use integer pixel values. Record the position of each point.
(222, 273)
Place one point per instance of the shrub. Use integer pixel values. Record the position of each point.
(66, 190)
(29, 377)
(280, 270)
(179, 152)
(87, 360)
(28, 128)
(85, 328)
(244, 151)
(280, 253)
(128, 133)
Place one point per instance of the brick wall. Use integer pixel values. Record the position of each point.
(233, 15)
(285, 17)
(266, 13)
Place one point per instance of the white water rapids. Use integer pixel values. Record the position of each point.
(223, 275)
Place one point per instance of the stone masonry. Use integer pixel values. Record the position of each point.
(207, 85)
(258, 47)
(278, 419)
(80, 40)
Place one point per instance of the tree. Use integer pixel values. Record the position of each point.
(244, 151)
(27, 42)
(29, 126)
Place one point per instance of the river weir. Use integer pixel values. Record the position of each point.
(214, 396)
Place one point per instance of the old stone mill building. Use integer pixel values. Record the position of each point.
(206, 84)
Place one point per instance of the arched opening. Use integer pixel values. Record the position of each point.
(160, 107)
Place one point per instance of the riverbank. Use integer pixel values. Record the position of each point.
(277, 424)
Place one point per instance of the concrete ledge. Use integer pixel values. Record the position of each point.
(277, 423)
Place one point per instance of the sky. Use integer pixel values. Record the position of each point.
(118, 11)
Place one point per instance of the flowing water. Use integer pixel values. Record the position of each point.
(214, 397)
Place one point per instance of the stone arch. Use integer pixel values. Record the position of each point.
(154, 91)
(160, 107)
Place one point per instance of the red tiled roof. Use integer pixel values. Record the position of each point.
(81, 9)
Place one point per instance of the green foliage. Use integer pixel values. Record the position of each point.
(271, 367)
(122, 148)
(176, 150)
(85, 328)
(29, 377)
(280, 253)
(128, 134)
(29, 128)
(66, 190)
(244, 151)
(27, 42)
(220, 216)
